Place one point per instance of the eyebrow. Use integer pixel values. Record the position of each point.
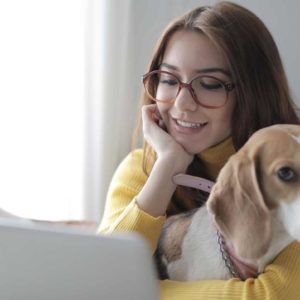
(205, 70)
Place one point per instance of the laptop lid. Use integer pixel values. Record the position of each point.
(38, 262)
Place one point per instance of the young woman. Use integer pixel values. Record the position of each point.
(215, 78)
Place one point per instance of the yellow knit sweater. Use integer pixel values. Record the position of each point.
(280, 281)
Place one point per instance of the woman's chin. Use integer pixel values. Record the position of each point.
(190, 147)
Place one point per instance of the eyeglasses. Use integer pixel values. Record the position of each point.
(207, 91)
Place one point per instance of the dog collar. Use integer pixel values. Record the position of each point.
(194, 182)
(236, 267)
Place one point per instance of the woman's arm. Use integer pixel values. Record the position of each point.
(122, 214)
(172, 159)
(136, 202)
(279, 281)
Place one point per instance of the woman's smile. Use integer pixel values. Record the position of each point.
(186, 127)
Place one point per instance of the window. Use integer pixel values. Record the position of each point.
(42, 108)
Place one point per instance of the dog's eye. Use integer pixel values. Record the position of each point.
(286, 174)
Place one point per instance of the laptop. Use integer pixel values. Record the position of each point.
(39, 262)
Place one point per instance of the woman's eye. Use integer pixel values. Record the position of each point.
(286, 174)
(211, 86)
(168, 81)
(208, 83)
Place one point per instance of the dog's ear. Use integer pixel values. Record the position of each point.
(238, 207)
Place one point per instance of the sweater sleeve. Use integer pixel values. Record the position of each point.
(122, 214)
(279, 281)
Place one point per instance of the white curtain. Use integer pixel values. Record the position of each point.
(109, 84)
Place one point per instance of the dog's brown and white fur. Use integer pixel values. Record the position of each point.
(255, 204)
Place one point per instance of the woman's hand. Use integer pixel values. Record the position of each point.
(161, 141)
(172, 159)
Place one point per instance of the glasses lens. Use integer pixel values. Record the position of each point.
(209, 91)
(162, 86)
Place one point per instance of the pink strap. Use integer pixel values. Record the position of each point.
(194, 182)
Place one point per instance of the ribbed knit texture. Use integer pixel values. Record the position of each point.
(215, 157)
(280, 281)
(122, 214)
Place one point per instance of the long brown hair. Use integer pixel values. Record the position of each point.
(262, 93)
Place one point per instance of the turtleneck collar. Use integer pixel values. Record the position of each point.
(215, 157)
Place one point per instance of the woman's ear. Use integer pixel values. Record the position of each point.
(238, 207)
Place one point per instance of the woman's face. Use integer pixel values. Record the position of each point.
(193, 126)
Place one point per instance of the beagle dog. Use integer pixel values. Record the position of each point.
(251, 215)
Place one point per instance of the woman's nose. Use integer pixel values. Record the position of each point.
(185, 101)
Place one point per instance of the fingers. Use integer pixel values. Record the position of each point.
(153, 134)
(151, 114)
(156, 115)
(159, 119)
(158, 137)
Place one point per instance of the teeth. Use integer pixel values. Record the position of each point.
(189, 124)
